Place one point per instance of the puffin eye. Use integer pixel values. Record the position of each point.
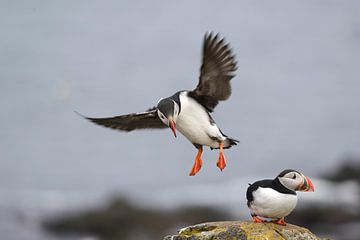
(294, 176)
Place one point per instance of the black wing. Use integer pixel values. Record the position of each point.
(131, 121)
(217, 69)
(253, 187)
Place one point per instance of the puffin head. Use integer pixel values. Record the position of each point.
(168, 112)
(295, 181)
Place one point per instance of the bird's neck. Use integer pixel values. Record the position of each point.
(176, 98)
(281, 188)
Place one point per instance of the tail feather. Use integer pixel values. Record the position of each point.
(229, 142)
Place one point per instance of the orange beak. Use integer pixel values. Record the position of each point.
(307, 185)
(172, 126)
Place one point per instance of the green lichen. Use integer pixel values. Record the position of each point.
(196, 229)
(243, 231)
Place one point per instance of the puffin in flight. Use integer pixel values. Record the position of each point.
(276, 198)
(188, 111)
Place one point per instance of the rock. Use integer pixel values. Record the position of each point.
(242, 230)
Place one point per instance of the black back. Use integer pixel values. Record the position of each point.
(267, 183)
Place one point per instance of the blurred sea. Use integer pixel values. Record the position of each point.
(294, 103)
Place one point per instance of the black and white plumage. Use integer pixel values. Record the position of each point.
(189, 111)
(276, 198)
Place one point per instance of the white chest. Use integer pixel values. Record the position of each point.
(273, 204)
(194, 123)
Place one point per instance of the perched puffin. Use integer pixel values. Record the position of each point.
(189, 111)
(275, 199)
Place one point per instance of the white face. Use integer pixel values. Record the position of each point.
(163, 118)
(292, 180)
(174, 114)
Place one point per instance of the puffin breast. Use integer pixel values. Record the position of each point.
(270, 203)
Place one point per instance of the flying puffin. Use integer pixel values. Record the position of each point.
(188, 111)
(275, 199)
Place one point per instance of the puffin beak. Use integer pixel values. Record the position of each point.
(172, 126)
(307, 185)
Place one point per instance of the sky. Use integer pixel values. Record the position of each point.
(294, 103)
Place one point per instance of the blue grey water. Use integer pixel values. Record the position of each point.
(295, 101)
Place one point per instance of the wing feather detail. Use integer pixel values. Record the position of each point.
(217, 69)
(130, 122)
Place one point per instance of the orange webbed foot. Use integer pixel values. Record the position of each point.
(196, 167)
(221, 163)
(280, 221)
(257, 220)
(197, 164)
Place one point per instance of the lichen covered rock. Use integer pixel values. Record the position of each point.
(242, 231)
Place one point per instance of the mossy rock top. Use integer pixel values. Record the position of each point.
(241, 230)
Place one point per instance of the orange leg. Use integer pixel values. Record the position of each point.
(197, 164)
(280, 221)
(257, 220)
(221, 163)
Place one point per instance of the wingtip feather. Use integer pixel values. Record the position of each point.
(80, 114)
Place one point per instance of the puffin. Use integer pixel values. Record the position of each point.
(274, 199)
(188, 111)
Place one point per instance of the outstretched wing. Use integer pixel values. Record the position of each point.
(131, 121)
(217, 69)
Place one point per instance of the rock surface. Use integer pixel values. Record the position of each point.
(242, 230)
